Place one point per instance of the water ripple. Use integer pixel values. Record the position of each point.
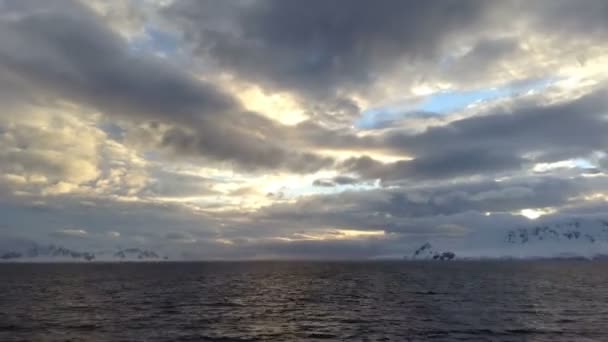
(287, 301)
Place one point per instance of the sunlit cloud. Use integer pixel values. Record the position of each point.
(533, 214)
(335, 234)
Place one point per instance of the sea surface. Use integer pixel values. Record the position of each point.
(305, 301)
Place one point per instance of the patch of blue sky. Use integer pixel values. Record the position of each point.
(449, 101)
(446, 102)
(155, 41)
(113, 131)
(376, 118)
(583, 163)
(311, 189)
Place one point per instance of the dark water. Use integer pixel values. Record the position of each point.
(286, 301)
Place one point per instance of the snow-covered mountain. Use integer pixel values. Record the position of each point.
(574, 238)
(136, 253)
(35, 252)
(427, 252)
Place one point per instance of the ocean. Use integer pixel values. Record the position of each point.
(305, 301)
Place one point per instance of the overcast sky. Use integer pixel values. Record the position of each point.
(295, 129)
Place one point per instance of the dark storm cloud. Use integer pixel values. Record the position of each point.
(71, 216)
(244, 147)
(484, 59)
(505, 138)
(488, 196)
(59, 53)
(448, 163)
(170, 184)
(571, 18)
(327, 183)
(13, 92)
(344, 180)
(553, 131)
(72, 53)
(330, 54)
(317, 47)
(417, 213)
(325, 51)
(313, 134)
(399, 209)
(338, 180)
(68, 52)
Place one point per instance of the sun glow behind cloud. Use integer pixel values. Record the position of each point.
(534, 214)
(279, 107)
(335, 234)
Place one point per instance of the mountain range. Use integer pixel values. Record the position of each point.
(556, 239)
(37, 252)
(559, 239)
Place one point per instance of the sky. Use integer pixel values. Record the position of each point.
(251, 129)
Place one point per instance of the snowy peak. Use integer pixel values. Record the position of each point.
(58, 253)
(570, 231)
(136, 253)
(426, 252)
(571, 238)
(50, 251)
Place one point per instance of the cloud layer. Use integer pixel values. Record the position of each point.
(263, 129)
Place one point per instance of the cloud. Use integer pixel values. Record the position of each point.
(323, 50)
(442, 165)
(323, 45)
(247, 149)
(338, 180)
(180, 237)
(60, 50)
(261, 129)
(75, 56)
(423, 209)
(567, 20)
(357, 52)
(113, 234)
(501, 139)
(174, 184)
(70, 233)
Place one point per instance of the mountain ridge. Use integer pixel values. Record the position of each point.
(52, 252)
(571, 238)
